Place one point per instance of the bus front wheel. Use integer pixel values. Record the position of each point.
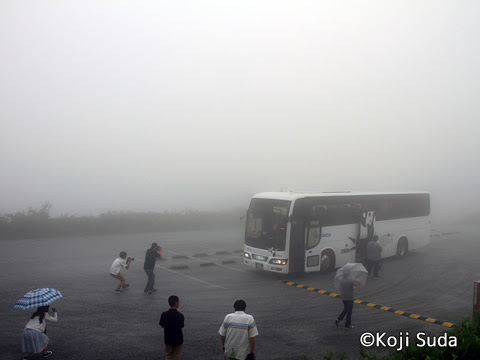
(402, 247)
(327, 263)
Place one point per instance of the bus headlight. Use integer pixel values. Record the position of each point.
(279, 261)
(246, 255)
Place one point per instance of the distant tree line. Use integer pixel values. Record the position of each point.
(37, 223)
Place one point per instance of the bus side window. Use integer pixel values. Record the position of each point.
(318, 212)
(357, 213)
(384, 210)
(342, 214)
(337, 214)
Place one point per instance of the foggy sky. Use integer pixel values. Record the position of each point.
(154, 105)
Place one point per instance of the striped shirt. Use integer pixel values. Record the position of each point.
(238, 328)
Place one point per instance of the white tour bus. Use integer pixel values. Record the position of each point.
(306, 232)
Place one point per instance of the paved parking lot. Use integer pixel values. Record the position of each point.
(206, 271)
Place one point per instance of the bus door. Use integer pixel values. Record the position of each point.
(313, 235)
(367, 229)
(296, 259)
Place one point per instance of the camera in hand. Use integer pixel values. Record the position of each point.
(130, 259)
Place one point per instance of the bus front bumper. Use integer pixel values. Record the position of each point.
(267, 267)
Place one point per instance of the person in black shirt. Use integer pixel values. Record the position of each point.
(151, 256)
(172, 321)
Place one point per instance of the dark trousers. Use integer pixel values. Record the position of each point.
(151, 280)
(373, 264)
(347, 310)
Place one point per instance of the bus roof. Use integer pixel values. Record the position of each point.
(294, 195)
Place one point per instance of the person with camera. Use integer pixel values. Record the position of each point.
(118, 263)
(154, 253)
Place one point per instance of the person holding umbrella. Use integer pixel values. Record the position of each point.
(34, 338)
(347, 285)
(348, 278)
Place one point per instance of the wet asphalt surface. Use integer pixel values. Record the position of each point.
(205, 269)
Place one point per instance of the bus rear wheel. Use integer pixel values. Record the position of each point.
(402, 247)
(327, 261)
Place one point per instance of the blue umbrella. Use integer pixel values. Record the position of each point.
(36, 298)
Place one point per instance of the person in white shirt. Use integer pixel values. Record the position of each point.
(118, 263)
(238, 332)
(34, 338)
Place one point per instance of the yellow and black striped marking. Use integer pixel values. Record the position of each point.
(372, 305)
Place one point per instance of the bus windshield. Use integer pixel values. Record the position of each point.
(267, 224)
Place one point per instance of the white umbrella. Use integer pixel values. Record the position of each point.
(355, 271)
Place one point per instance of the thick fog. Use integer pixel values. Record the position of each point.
(158, 105)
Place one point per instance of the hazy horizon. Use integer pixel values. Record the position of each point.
(159, 105)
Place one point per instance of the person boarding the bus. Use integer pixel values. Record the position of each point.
(374, 256)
